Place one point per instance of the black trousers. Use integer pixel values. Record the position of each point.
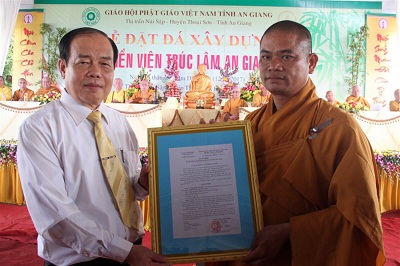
(98, 261)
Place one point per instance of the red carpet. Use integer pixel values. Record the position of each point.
(18, 237)
(391, 237)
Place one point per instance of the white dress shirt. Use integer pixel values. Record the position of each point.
(66, 192)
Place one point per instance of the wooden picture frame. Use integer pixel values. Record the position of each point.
(204, 199)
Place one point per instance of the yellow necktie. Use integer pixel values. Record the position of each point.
(124, 195)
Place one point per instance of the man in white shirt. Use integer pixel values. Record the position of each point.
(66, 191)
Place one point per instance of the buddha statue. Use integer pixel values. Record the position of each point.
(200, 90)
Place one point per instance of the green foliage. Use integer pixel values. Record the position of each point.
(51, 38)
(9, 62)
(357, 57)
(327, 31)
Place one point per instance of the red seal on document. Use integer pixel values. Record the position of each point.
(216, 226)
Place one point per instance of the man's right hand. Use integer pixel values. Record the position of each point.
(142, 256)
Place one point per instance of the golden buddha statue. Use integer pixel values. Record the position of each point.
(200, 90)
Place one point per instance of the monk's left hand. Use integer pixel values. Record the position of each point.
(267, 244)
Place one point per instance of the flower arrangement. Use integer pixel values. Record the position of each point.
(8, 152)
(135, 86)
(47, 97)
(352, 107)
(143, 155)
(171, 73)
(227, 83)
(252, 86)
(389, 161)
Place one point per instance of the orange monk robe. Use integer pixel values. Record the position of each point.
(260, 100)
(231, 107)
(139, 97)
(43, 91)
(326, 187)
(394, 106)
(335, 103)
(359, 99)
(19, 94)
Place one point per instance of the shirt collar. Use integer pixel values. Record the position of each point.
(79, 112)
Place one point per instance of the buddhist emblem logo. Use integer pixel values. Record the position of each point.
(90, 16)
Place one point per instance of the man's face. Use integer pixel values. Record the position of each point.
(89, 73)
(1, 81)
(144, 86)
(285, 63)
(22, 84)
(46, 83)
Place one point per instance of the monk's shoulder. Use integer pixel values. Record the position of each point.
(339, 117)
(255, 115)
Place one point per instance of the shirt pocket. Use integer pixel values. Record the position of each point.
(131, 163)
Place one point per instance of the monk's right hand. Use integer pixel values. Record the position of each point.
(267, 243)
(142, 256)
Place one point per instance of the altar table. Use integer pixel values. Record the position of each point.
(12, 114)
(10, 185)
(389, 191)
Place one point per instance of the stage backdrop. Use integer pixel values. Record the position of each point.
(214, 33)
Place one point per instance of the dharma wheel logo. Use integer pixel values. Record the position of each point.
(90, 16)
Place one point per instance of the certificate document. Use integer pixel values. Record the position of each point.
(203, 191)
(204, 198)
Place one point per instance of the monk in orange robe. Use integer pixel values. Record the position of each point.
(356, 97)
(46, 87)
(317, 174)
(23, 93)
(330, 98)
(261, 98)
(231, 107)
(395, 105)
(144, 95)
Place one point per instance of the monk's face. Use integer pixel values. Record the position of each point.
(46, 83)
(22, 83)
(397, 95)
(235, 93)
(285, 63)
(118, 84)
(329, 97)
(144, 86)
(356, 91)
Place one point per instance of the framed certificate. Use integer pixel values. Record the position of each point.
(204, 198)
